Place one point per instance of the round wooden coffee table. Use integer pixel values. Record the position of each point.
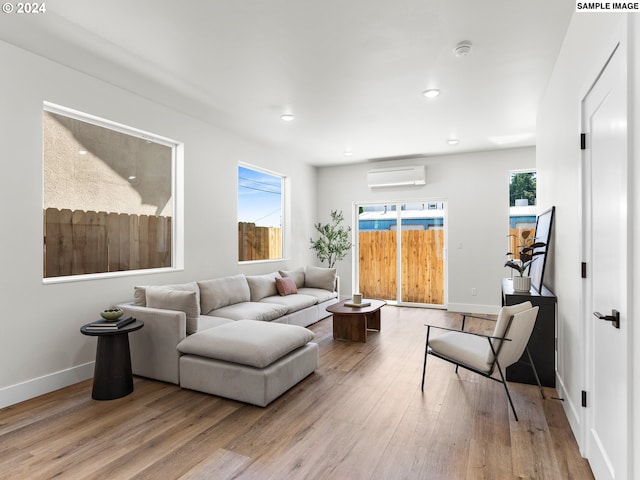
(352, 323)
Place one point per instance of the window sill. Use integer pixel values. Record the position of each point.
(101, 276)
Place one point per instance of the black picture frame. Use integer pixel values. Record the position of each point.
(544, 224)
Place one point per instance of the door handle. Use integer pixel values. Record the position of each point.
(614, 317)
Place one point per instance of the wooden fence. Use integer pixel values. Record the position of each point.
(258, 243)
(79, 242)
(422, 265)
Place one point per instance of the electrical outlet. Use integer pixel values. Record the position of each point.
(474, 291)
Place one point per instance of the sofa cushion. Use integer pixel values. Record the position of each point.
(297, 275)
(251, 311)
(179, 300)
(292, 302)
(140, 296)
(247, 342)
(321, 294)
(207, 321)
(468, 349)
(318, 277)
(220, 292)
(286, 286)
(262, 286)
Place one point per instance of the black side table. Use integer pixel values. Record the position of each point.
(112, 376)
(542, 343)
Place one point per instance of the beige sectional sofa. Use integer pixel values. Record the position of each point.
(190, 327)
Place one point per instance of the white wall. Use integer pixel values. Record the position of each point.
(41, 345)
(634, 125)
(476, 188)
(589, 41)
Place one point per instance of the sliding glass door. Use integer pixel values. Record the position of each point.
(377, 252)
(401, 252)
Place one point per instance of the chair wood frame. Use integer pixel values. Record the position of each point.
(495, 365)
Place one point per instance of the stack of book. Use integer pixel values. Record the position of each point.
(357, 305)
(110, 324)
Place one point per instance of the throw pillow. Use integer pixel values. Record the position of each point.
(262, 286)
(286, 286)
(318, 277)
(179, 300)
(297, 275)
(220, 292)
(140, 296)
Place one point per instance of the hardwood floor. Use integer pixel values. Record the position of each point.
(360, 416)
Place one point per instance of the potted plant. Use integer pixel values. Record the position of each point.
(525, 256)
(333, 243)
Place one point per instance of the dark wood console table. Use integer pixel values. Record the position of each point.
(542, 343)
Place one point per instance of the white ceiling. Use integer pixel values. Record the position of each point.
(352, 71)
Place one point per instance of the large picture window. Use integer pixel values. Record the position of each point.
(260, 213)
(108, 196)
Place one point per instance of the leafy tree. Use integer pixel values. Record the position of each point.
(333, 243)
(523, 185)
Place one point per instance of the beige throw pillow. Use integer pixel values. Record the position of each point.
(140, 295)
(297, 275)
(319, 277)
(220, 292)
(262, 286)
(179, 300)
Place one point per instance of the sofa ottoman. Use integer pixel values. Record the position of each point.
(247, 360)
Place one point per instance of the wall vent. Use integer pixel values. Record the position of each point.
(396, 177)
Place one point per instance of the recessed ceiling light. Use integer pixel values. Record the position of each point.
(287, 117)
(82, 152)
(348, 153)
(453, 141)
(431, 93)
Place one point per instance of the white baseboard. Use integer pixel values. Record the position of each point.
(473, 308)
(572, 411)
(48, 383)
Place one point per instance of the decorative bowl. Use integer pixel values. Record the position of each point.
(112, 313)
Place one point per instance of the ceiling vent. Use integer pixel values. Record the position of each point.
(396, 177)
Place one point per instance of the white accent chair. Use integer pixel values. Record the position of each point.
(486, 354)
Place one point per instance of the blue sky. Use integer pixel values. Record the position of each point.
(259, 198)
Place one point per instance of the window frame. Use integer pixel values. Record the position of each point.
(284, 206)
(177, 194)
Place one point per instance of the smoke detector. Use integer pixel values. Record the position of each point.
(462, 49)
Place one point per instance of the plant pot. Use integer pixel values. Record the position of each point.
(521, 284)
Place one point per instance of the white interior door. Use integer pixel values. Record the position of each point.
(605, 251)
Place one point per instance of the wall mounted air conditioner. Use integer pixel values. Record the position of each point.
(395, 177)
